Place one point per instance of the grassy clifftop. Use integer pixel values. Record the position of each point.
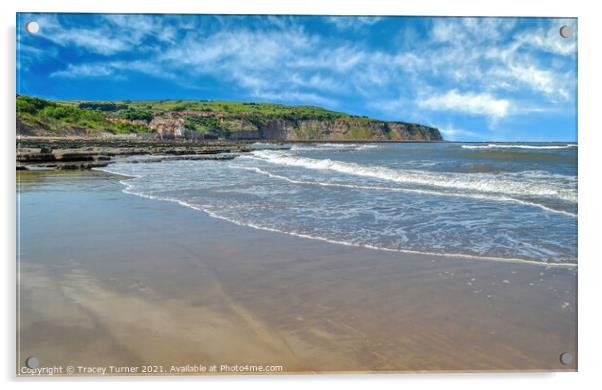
(44, 117)
(207, 119)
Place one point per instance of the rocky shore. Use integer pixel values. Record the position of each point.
(80, 153)
(85, 153)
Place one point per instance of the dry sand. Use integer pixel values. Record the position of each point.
(108, 278)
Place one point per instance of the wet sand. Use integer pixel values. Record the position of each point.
(108, 278)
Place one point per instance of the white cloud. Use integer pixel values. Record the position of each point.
(450, 133)
(353, 22)
(549, 39)
(255, 58)
(471, 103)
(138, 27)
(240, 49)
(85, 70)
(113, 34)
(301, 97)
(316, 81)
(458, 31)
(537, 79)
(97, 40)
(478, 49)
(341, 58)
(113, 69)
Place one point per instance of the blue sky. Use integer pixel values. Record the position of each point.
(474, 78)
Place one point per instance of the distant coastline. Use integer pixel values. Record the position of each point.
(207, 120)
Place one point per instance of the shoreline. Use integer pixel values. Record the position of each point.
(210, 288)
(542, 263)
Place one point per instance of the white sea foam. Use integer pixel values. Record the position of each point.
(410, 190)
(518, 146)
(375, 219)
(129, 189)
(334, 146)
(531, 183)
(368, 146)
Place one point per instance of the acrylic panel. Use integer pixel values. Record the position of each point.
(256, 194)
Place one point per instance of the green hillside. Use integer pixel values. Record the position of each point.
(93, 116)
(224, 108)
(202, 119)
(59, 118)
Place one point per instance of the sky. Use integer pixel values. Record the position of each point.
(476, 79)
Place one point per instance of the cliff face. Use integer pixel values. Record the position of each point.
(345, 129)
(338, 129)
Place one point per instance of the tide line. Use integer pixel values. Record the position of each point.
(129, 190)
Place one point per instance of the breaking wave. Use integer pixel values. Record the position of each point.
(519, 146)
(396, 189)
(402, 198)
(528, 183)
(333, 146)
(130, 188)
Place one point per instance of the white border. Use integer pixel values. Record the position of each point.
(590, 127)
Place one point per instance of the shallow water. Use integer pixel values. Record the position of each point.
(106, 278)
(497, 201)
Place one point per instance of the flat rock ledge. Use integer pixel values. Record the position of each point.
(85, 154)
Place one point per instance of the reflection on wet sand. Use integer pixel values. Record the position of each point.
(111, 279)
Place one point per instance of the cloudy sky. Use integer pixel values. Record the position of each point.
(474, 78)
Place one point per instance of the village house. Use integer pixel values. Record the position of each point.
(168, 126)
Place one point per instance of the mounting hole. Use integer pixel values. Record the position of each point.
(32, 362)
(566, 358)
(566, 31)
(32, 27)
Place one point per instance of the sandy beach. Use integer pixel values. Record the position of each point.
(107, 278)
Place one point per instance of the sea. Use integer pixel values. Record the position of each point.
(489, 201)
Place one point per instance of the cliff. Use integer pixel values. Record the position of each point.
(346, 129)
(167, 119)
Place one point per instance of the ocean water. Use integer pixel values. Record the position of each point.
(491, 201)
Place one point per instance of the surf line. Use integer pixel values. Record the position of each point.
(128, 189)
(389, 174)
(408, 190)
